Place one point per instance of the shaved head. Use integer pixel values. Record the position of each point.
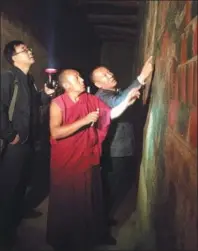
(65, 74)
(71, 81)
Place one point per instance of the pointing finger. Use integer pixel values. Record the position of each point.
(150, 59)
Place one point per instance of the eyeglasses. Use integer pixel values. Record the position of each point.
(25, 50)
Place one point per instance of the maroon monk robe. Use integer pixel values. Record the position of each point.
(75, 214)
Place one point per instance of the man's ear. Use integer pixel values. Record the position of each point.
(64, 85)
(67, 85)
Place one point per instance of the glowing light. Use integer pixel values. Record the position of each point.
(50, 70)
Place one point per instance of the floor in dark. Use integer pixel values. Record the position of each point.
(32, 231)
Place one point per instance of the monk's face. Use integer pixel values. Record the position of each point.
(75, 83)
(103, 78)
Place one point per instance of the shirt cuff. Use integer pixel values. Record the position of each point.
(141, 79)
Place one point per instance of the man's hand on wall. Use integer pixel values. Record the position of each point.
(147, 69)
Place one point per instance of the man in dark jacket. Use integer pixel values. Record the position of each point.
(19, 136)
(119, 146)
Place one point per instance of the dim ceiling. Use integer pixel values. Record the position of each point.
(113, 20)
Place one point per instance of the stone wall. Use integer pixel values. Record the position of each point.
(12, 29)
(167, 200)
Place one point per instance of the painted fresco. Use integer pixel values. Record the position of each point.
(169, 163)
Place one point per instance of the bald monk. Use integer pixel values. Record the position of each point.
(78, 124)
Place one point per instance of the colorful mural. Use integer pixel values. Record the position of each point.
(169, 164)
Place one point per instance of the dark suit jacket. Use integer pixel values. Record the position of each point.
(26, 112)
(120, 138)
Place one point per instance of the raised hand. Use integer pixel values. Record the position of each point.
(147, 69)
(132, 96)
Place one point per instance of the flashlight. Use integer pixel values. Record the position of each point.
(50, 71)
(51, 84)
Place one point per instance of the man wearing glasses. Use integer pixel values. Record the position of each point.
(18, 134)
